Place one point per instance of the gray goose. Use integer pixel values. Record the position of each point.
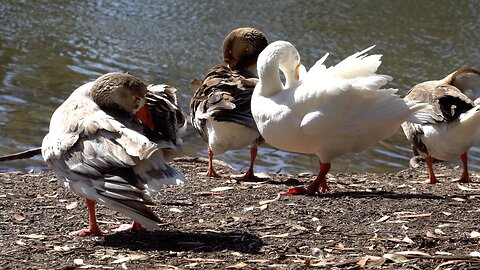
(455, 119)
(220, 108)
(110, 142)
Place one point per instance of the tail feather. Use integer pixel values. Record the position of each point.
(357, 65)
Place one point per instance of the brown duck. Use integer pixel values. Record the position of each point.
(455, 119)
(220, 108)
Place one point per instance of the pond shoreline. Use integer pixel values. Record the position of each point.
(388, 220)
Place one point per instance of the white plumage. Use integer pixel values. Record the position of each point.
(325, 111)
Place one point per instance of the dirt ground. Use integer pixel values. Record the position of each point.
(387, 221)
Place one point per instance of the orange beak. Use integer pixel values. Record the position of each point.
(297, 71)
(146, 117)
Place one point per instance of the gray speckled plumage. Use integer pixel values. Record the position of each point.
(104, 154)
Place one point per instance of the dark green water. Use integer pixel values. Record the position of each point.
(49, 48)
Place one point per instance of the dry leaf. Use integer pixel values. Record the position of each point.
(474, 234)
(404, 213)
(18, 217)
(60, 248)
(398, 258)
(415, 215)
(371, 261)
(72, 205)
(305, 174)
(438, 231)
(414, 253)
(462, 187)
(269, 201)
(398, 221)
(430, 234)
(407, 239)
(440, 266)
(131, 257)
(443, 253)
(21, 243)
(78, 261)
(259, 261)
(283, 235)
(204, 260)
(458, 199)
(33, 236)
(382, 219)
(263, 206)
(206, 193)
(219, 189)
(474, 254)
(237, 266)
(175, 210)
(363, 261)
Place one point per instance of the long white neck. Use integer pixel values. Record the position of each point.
(268, 73)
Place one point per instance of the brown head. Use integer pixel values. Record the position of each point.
(241, 48)
(466, 80)
(122, 91)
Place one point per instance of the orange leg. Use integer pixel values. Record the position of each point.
(211, 172)
(319, 185)
(93, 226)
(465, 177)
(431, 173)
(249, 174)
(135, 226)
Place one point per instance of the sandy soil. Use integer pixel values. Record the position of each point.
(389, 221)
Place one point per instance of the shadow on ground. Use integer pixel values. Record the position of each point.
(184, 241)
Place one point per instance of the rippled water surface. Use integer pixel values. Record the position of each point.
(49, 48)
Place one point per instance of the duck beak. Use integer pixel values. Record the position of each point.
(297, 71)
(146, 117)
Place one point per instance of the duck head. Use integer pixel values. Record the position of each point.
(241, 48)
(124, 92)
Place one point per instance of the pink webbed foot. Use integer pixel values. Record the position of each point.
(89, 231)
(135, 226)
(93, 228)
(212, 173)
(465, 176)
(311, 190)
(319, 185)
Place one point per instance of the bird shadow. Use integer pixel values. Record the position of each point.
(178, 241)
(382, 194)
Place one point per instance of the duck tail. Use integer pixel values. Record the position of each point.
(358, 64)
(470, 122)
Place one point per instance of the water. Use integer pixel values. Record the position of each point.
(48, 48)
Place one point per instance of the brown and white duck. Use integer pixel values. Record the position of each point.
(110, 142)
(455, 125)
(220, 108)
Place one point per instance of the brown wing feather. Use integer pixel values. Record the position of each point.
(221, 88)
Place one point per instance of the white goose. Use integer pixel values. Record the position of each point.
(329, 111)
(101, 151)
